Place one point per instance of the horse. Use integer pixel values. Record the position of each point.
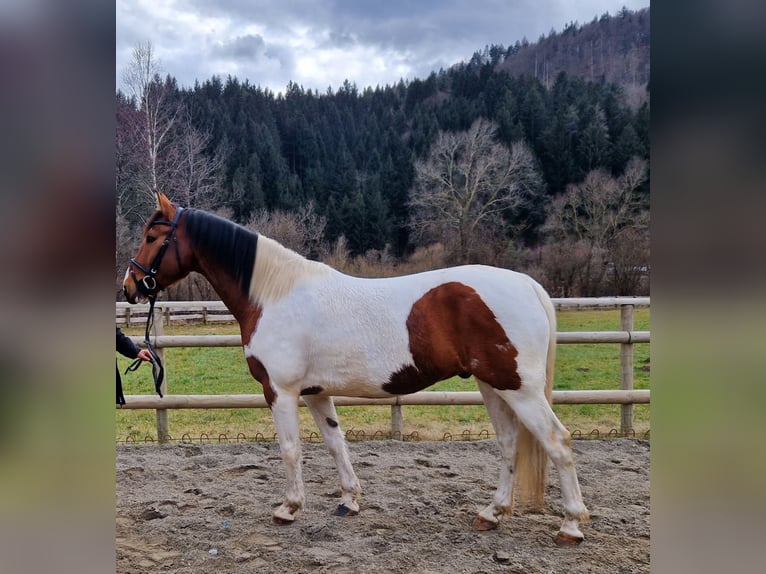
(310, 331)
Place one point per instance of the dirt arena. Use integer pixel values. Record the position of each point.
(190, 508)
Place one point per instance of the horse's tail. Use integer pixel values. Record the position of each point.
(531, 458)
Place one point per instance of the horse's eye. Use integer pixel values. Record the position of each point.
(150, 239)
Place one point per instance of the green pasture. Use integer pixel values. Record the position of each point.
(211, 371)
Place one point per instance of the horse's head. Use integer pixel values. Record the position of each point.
(161, 259)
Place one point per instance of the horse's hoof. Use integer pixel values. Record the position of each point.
(482, 524)
(564, 539)
(344, 510)
(283, 516)
(282, 521)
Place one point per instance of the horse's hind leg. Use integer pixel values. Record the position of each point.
(506, 429)
(323, 411)
(285, 414)
(537, 416)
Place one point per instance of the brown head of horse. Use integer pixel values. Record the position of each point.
(158, 262)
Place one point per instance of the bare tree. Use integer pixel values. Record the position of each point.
(604, 214)
(467, 183)
(599, 207)
(129, 162)
(192, 178)
(301, 230)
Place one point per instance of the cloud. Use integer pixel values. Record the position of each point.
(249, 47)
(321, 43)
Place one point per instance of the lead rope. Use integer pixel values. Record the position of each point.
(158, 371)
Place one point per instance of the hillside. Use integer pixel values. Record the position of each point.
(614, 48)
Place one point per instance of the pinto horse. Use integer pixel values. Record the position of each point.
(310, 331)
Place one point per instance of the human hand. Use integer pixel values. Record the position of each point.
(144, 355)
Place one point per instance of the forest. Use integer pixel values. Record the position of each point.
(534, 157)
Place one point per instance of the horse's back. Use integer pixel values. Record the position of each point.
(448, 312)
(513, 298)
(510, 295)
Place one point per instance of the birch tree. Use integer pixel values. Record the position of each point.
(159, 111)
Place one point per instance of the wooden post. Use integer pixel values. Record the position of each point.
(127, 316)
(626, 368)
(163, 434)
(397, 420)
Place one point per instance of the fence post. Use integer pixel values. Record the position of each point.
(163, 434)
(397, 420)
(626, 368)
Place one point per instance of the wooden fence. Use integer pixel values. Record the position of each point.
(168, 311)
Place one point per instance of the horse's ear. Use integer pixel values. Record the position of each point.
(165, 206)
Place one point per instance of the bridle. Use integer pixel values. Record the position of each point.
(147, 286)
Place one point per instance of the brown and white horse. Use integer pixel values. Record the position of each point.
(309, 330)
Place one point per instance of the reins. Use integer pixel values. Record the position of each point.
(158, 371)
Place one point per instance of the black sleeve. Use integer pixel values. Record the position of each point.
(126, 346)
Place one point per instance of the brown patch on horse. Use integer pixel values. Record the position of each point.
(453, 332)
(262, 376)
(248, 323)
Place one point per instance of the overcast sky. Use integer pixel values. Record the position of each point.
(320, 43)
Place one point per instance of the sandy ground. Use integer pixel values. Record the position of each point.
(207, 509)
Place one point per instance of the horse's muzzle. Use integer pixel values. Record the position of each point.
(128, 297)
(132, 289)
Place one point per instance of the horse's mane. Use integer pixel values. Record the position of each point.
(263, 268)
(277, 269)
(231, 245)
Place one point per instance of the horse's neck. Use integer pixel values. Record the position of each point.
(227, 289)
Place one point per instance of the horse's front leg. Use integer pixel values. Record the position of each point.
(284, 410)
(326, 418)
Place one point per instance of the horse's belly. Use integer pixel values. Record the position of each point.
(353, 373)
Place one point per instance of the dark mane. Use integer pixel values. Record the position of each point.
(230, 244)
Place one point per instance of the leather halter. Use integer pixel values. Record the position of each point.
(147, 286)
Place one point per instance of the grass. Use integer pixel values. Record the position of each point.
(223, 370)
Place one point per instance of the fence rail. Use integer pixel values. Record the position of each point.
(168, 311)
(168, 341)
(216, 311)
(423, 398)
